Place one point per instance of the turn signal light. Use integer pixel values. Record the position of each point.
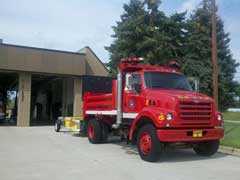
(161, 117)
(147, 102)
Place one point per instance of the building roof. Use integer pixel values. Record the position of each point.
(42, 49)
(41, 60)
(95, 65)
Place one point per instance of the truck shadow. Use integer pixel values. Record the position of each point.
(171, 155)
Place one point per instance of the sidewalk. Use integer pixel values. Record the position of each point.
(229, 150)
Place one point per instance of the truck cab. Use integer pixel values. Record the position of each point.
(153, 107)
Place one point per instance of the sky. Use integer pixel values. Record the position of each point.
(73, 24)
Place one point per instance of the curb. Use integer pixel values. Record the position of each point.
(230, 121)
(229, 150)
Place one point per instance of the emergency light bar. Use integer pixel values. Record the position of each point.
(132, 60)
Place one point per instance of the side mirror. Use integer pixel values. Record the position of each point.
(196, 85)
(194, 82)
(137, 88)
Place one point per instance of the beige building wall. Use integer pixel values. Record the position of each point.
(77, 102)
(41, 60)
(24, 99)
(67, 97)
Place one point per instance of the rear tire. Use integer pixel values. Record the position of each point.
(94, 131)
(105, 132)
(207, 148)
(149, 146)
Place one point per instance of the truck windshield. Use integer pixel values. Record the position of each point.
(155, 80)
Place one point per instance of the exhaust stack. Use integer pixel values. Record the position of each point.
(119, 101)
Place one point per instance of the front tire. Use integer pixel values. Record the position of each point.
(149, 146)
(207, 148)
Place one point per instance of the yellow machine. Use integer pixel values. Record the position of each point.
(70, 123)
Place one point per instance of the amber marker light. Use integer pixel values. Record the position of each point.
(161, 117)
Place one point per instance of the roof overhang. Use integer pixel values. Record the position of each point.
(28, 59)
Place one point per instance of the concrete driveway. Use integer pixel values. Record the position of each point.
(40, 153)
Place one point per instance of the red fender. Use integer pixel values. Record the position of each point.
(152, 114)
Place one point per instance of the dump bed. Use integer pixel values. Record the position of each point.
(100, 101)
(97, 84)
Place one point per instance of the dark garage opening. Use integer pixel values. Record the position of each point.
(46, 99)
(8, 98)
(51, 97)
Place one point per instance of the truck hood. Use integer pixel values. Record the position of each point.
(170, 98)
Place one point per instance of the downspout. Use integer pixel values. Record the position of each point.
(119, 101)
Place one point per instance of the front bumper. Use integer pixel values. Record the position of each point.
(185, 135)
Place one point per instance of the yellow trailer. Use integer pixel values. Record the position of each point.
(69, 123)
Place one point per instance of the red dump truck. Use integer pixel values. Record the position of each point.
(153, 107)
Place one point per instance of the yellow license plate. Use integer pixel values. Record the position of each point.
(197, 134)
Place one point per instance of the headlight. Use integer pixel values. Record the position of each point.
(169, 116)
(219, 117)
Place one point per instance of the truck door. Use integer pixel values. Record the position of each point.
(132, 95)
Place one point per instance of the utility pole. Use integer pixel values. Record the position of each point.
(214, 54)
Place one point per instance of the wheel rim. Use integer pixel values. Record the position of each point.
(90, 131)
(145, 143)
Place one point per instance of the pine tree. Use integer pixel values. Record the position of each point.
(197, 62)
(227, 68)
(145, 31)
(127, 34)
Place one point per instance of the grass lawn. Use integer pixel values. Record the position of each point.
(232, 116)
(232, 135)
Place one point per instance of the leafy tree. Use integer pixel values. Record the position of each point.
(127, 34)
(145, 31)
(237, 91)
(152, 4)
(197, 61)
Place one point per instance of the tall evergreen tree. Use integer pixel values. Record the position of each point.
(145, 31)
(128, 32)
(197, 61)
